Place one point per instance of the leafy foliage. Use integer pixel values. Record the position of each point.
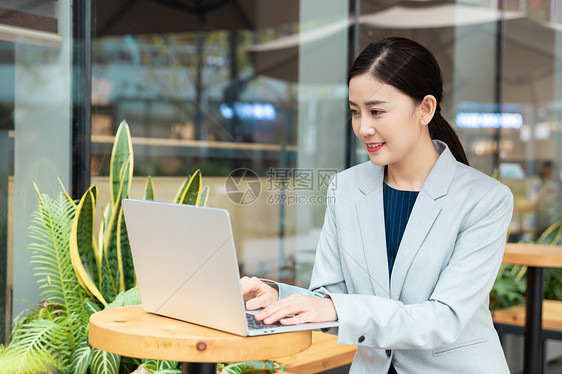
(251, 366)
(162, 367)
(105, 267)
(509, 288)
(81, 358)
(129, 297)
(46, 337)
(511, 282)
(104, 362)
(51, 259)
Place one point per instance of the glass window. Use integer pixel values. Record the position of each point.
(235, 94)
(529, 149)
(35, 133)
(500, 91)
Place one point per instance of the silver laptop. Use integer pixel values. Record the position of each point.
(186, 267)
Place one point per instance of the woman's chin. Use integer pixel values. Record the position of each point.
(378, 161)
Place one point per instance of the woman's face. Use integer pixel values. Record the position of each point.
(385, 120)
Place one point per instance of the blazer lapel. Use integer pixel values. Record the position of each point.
(425, 211)
(369, 209)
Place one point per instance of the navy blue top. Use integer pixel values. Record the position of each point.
(397, 208)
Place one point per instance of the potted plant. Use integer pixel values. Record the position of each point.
(78, 277)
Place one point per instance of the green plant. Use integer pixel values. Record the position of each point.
(77, 279)
(104, 267)
(510, 285)
(47, 336)
(251, 366)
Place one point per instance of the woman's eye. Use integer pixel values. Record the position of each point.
(376, 112)
(354, 112)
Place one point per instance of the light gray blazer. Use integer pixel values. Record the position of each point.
(432, 316)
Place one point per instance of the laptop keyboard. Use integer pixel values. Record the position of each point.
(254, 324)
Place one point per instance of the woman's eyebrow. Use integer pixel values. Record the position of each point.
(370, 102)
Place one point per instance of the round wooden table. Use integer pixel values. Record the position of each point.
(130, 331)
(536, 257)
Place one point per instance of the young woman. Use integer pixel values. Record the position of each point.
(412, 240)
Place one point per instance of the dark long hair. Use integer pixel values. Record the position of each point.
(412, 69)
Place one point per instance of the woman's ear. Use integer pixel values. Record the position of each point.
(427, 109)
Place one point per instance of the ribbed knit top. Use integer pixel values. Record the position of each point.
(397, 208)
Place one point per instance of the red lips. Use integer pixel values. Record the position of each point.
(374, 147)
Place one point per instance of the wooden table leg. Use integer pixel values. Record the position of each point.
(534, 359)
(199, 368)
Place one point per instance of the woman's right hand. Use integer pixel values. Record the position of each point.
(257, 294)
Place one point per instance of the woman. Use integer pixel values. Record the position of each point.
(412, 240)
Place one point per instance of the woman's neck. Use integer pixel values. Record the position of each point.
(410, 173)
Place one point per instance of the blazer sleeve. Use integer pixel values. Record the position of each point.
(327, 274)
(463, 286)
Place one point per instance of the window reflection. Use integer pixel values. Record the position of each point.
(187, 87)
(499, 90)
(34, 101)
(214, 94)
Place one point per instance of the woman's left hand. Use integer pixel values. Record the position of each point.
(300, 309)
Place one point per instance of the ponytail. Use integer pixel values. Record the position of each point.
(440, 129)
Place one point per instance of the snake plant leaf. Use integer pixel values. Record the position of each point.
(112, 266)
(63, 189)
(202, 201)
(81, 358)
(191, 194)
(521, 272)
(107, 284)
(108, 287)
(40, 198)
(104, 362)
(109, 273)
(82, 245)
(91, 307)
(83, 233)
(181, 190)
(121, 153)
(107, 211)
(126, 267)
(148, 189)
(551, 235)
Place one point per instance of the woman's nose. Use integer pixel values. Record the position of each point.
(366, 128)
